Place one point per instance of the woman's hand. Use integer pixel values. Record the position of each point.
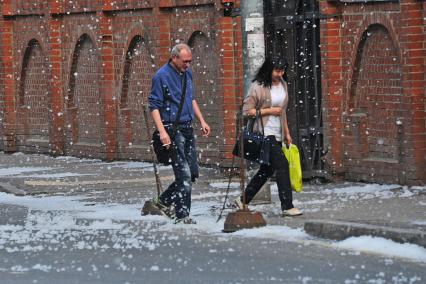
(288, 139)
(276, 111)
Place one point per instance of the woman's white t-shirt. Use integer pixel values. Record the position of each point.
(273, 126)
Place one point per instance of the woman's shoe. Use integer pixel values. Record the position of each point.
(292, 212)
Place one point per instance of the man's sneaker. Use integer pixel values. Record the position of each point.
(238, 203)
(292, 212)
(185, 220)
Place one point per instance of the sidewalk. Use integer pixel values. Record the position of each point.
(332, 211)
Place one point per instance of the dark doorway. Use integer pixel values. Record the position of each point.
(292, 29)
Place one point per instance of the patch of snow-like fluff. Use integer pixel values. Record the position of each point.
(369, 191)
(383, 246)
(56, 175)
(274, 232)
(222, 185)
(19, 170)
(214, 194)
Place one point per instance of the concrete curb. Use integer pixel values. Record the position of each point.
(8, 188)
(339, 230)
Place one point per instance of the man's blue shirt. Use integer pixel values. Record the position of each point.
(166, 91)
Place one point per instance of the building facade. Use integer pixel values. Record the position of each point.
(75, 77)
(373, 86)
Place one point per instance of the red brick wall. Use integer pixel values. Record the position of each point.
(135, 60)
(8, 87)
(33, 101)
(82, 88)
(232, 71)
(135, 88)
(2, 110)
(209, 94)
(373, 88)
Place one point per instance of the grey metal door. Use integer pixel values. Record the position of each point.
(292, 30)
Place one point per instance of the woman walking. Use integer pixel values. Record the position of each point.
(268, 98)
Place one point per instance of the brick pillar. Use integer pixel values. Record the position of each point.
(107, 5)
(229, 49)
(239, 68)
(9, 125)
(164, 43)
(233, 108)
(332, 85)
(228, 78)
(2, 76)
(108, 85)
(56, 7)
(7, 8)
(413, 38)
(57, 133)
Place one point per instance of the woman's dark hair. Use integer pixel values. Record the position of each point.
(264, 74)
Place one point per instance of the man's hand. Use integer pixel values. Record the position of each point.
(205, 128)
(164, 136)
(165, 139)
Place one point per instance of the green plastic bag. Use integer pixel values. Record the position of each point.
(292, 155)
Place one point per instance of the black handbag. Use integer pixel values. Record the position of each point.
(256, 146)
(165, 154)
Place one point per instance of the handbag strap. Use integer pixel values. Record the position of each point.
(251, 122)
(182, 100)
(259, 117)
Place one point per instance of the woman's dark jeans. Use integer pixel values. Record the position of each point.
(279, 165)
(185, 168)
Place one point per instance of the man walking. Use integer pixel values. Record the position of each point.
(167, 89)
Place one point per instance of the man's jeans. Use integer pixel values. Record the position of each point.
(185, 168)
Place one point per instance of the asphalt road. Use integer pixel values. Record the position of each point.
(78, 221)
(156, 251)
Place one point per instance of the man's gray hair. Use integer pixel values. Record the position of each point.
(178, 47)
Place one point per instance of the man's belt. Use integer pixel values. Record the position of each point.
(182, 124)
